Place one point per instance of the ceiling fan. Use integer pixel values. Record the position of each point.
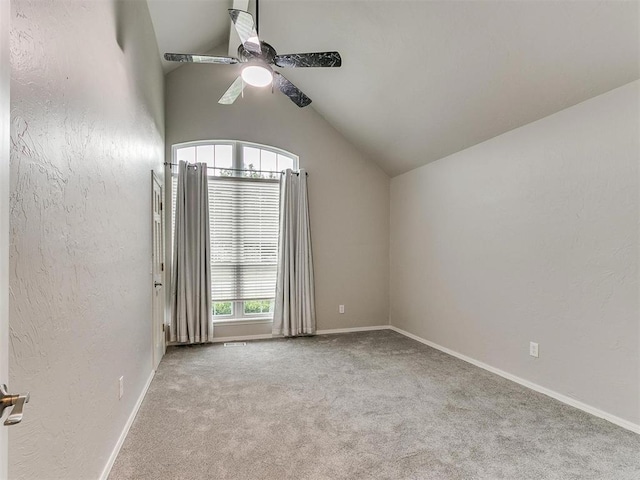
(258, 57)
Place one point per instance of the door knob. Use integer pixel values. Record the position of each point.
(15, 401)
(157, 284)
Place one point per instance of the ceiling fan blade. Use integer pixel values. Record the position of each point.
(290, 90)
(243, 21)
(188, 57)
(317, 59)
(232, 92)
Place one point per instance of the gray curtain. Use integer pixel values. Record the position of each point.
(295, 307)
(191, 318)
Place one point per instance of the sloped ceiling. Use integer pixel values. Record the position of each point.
(189, 26)
(423, 79)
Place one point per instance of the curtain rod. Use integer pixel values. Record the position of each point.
(237, 169)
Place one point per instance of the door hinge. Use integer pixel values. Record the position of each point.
(160, 205)
(162, 267)
(163, 327)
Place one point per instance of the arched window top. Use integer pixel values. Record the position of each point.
(234, 158)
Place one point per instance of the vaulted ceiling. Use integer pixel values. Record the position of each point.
(423, 79)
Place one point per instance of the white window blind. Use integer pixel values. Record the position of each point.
(243, 228)
(243, 221)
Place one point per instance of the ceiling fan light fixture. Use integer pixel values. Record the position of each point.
(257, 75)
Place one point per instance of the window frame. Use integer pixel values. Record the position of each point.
(237, 155)
(237, 315)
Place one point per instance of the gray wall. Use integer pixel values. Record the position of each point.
(348, 194)
(531, 236)
(5, 13)
(87, 128)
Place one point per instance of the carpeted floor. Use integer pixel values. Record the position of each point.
(371, 405)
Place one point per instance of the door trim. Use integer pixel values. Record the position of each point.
(156, 333)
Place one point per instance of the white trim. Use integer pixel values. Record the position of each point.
(264, 336)
(235, 144)
(526, 383)
(354, 329)
(157, 318)
(240, 321)
(114, 454)
(237, 338)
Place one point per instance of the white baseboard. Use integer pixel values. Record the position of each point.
(354, 329)
(125, 430)
(526, 383)
(239, 338)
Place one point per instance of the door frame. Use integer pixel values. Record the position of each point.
(5, 132)
(157, 318)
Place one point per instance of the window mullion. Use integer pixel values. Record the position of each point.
(238, 158)
(238, 161)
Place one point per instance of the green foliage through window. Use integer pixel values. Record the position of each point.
(222, 308)
(258, 307)
(248, 308)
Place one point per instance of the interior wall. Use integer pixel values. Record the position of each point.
(348, 194)
(87, 127)
(531, 236)
(5, 13)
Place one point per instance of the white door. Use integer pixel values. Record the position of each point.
(4, 217)
(157, 224)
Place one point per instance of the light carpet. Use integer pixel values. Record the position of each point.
(370, 405)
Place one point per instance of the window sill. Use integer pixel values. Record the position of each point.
(242, 321)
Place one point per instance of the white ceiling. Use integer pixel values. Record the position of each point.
(423, 79)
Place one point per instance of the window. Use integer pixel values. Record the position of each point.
(243, 222)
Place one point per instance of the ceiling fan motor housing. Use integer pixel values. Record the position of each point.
(268, 54)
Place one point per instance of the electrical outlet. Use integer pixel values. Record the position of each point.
(121, 389)
(341, 308)
(533, 349)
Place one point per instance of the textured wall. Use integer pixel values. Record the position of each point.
(531, 236)
(348, 194)
(5, 13)
(87, 128)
